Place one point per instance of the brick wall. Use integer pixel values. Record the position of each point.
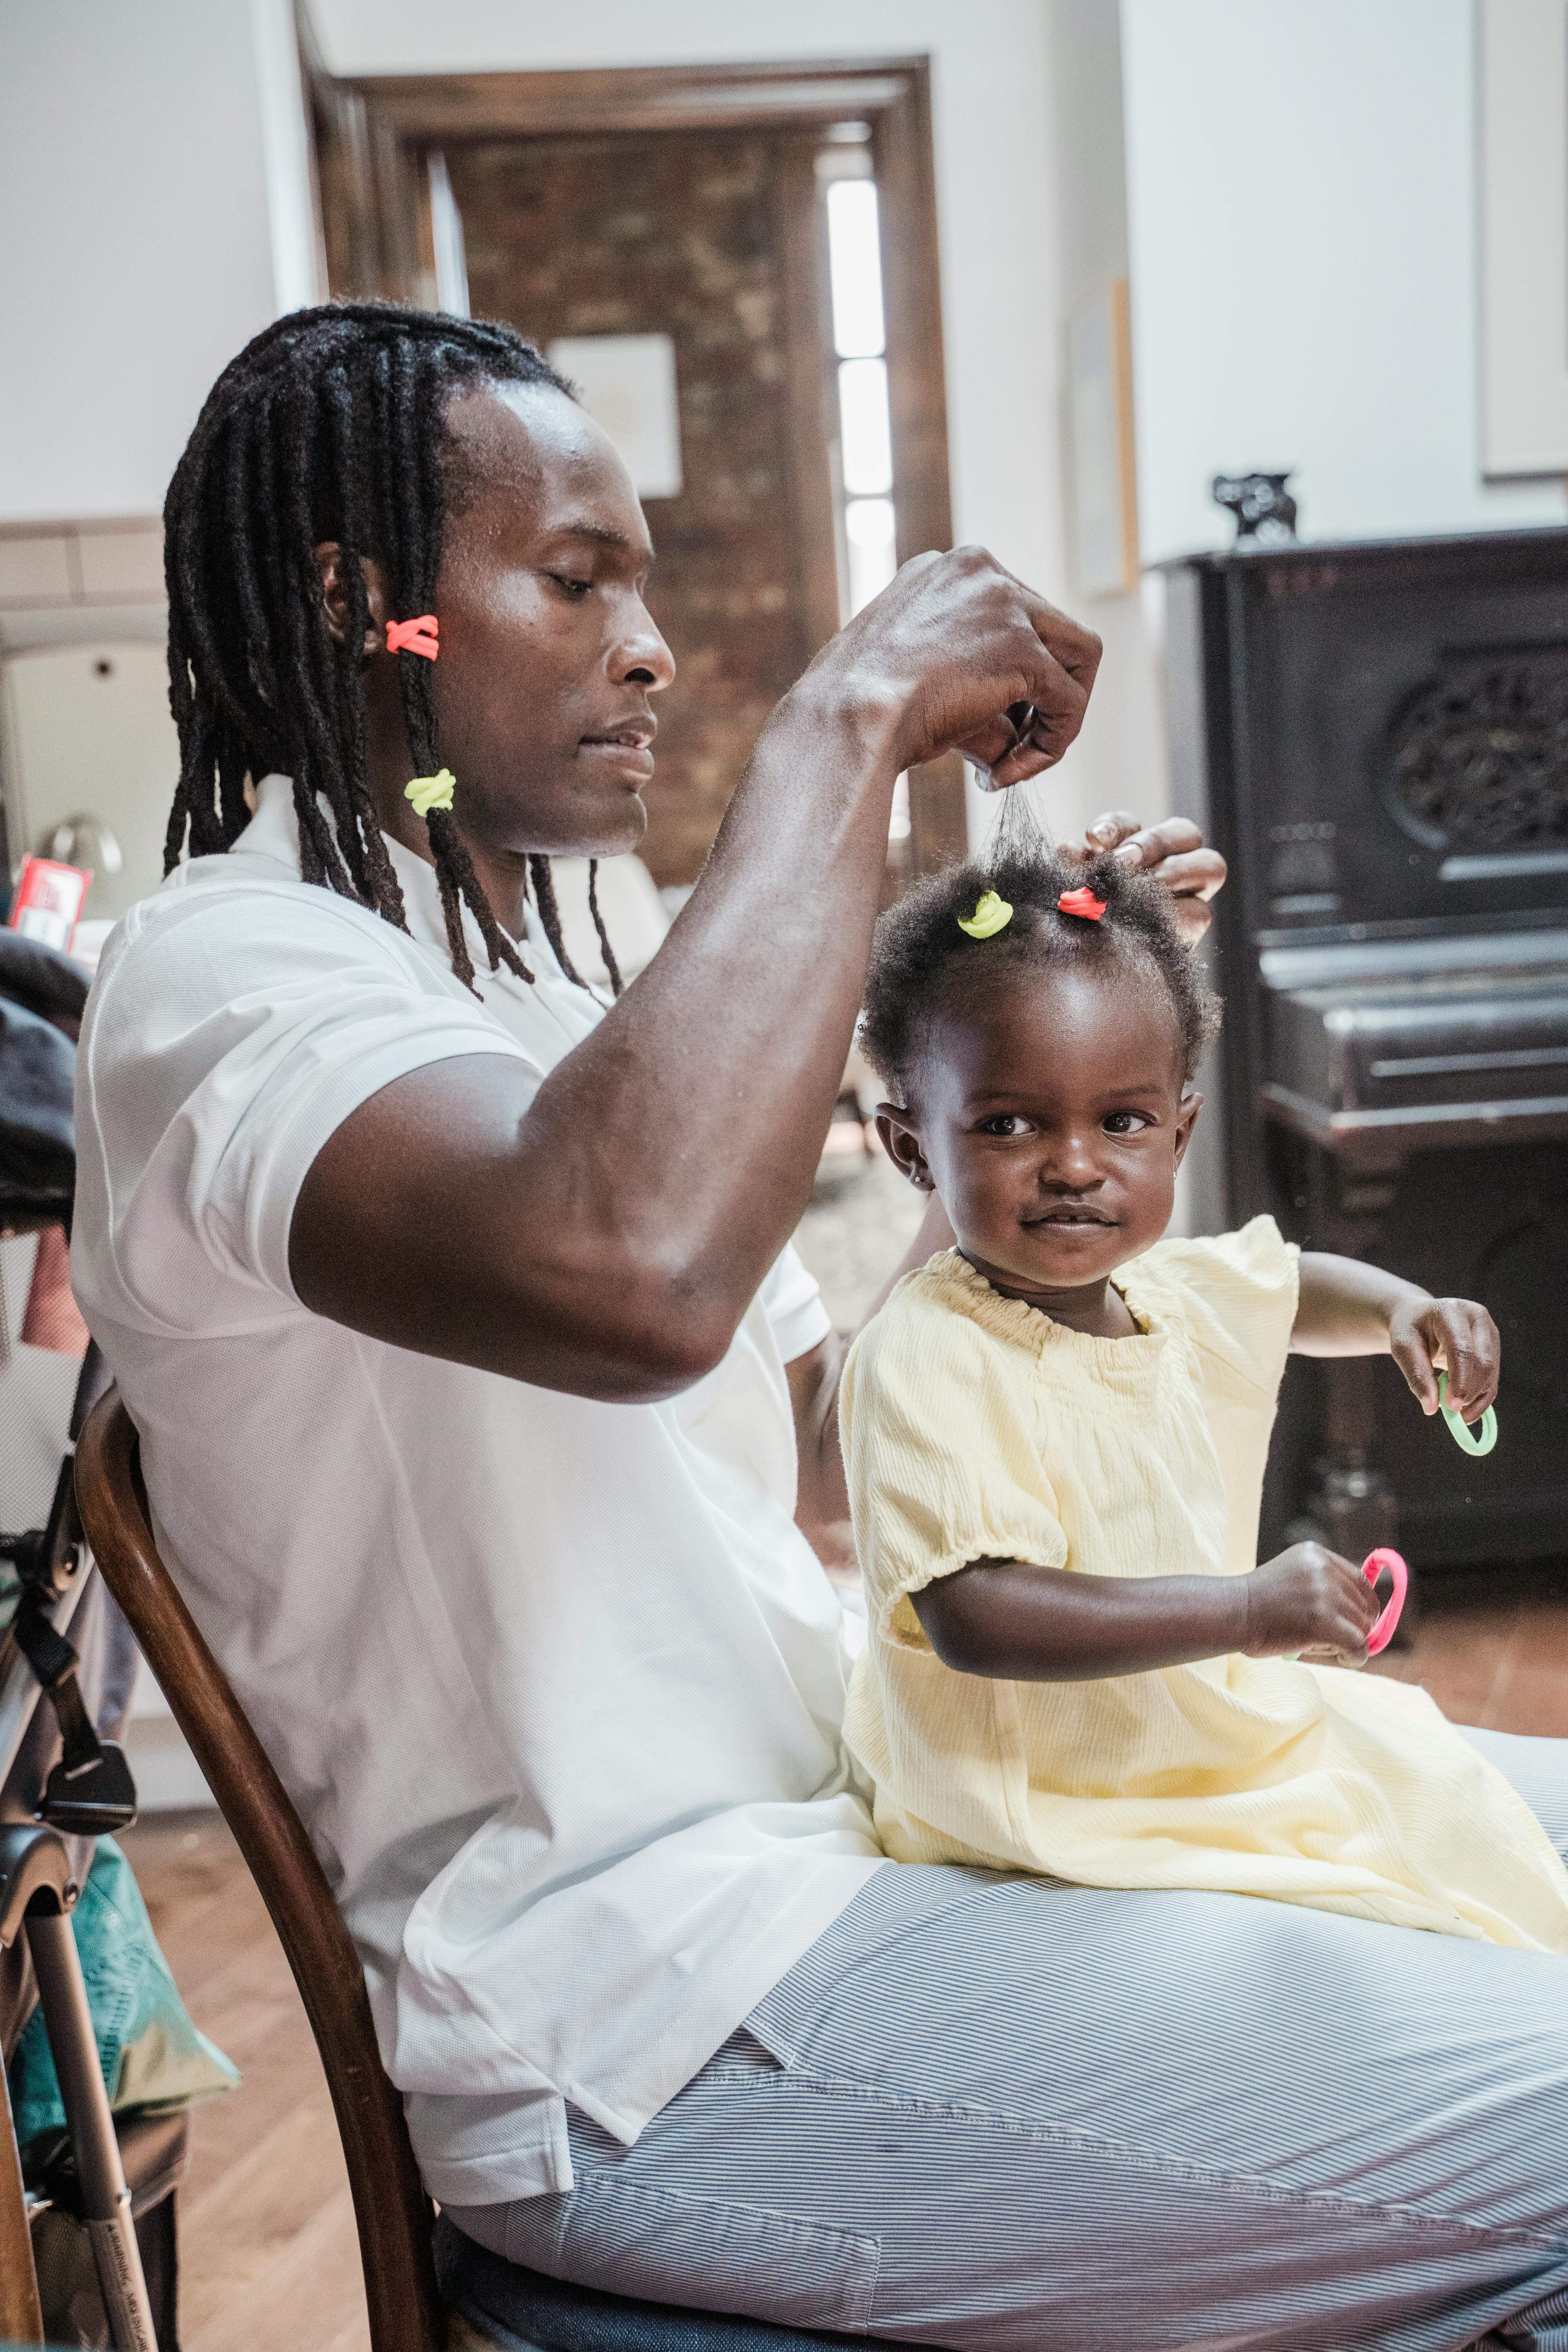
(680, 234)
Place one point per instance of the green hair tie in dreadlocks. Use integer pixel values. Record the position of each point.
(428, 792)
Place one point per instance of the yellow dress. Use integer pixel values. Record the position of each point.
(974, 1427)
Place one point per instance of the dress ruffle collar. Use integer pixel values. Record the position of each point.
(1030, 1326)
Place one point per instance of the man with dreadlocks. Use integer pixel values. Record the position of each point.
(482, 1402)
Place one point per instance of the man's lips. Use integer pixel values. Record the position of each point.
(629, 746)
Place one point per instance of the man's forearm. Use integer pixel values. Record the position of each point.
(605, 1232)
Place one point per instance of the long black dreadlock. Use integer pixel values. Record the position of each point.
(329, 425)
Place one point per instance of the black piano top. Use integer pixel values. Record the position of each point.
(1386, 727)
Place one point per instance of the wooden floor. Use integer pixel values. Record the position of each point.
(267, 2245)
(268, 2251)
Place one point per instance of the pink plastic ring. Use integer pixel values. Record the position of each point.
(1372, 1569)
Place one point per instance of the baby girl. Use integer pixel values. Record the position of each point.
(1056, 1436)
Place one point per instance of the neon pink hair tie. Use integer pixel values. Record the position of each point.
(1372, 1568)
(1082, 903)
(415, 636)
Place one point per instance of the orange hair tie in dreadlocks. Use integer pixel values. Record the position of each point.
(1082, 903)
(415, 636)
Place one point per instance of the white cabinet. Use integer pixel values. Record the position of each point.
(88, 734)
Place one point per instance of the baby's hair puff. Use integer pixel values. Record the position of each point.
(929, 951)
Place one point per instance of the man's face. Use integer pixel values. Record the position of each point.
(549, 655)
(1049, 1116)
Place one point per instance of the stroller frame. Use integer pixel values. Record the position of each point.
(39, 1890)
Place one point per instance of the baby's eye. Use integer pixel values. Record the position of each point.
(1006, 1122)
(1126, 1123)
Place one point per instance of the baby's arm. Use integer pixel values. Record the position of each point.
(1001, 1618)
(1347, 1309)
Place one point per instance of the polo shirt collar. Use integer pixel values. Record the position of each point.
(273, 833)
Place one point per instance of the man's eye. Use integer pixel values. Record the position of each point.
(576, 589)
(1126, 1123)
(1005, 1123)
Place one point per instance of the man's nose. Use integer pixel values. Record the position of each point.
(643, 657)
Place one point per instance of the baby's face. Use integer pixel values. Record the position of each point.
(1049, 1118)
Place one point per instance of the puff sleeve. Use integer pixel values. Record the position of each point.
(942, 1453)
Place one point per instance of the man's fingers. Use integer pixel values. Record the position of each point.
(1000, 758)
(1191, 873)
(1076, 649)
(1153, 844)
(1173, 851)
(1069, 661)
(1109, 831)
(1175, 854)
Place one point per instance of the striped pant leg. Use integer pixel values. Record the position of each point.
(1537, 1770)
(996, 2112)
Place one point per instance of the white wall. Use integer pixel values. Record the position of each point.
(1302, 215)
(1121, 758)
(137, 144)
(992, 179)
(158, 156)
(992, 95)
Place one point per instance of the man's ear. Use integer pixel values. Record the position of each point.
(902, 1142)
(1187, 1119)
(335, 595)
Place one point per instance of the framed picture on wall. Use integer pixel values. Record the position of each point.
(1521, 182)
(1100, 424)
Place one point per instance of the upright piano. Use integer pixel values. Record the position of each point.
(1376, 736)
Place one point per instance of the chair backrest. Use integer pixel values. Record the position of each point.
(390, 2206)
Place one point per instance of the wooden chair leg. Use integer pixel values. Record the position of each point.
(21, 2317)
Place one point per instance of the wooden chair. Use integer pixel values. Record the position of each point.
(393, 2215)
(391, 2209)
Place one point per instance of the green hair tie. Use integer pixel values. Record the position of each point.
(428, 792)
(992, 915)
(1469, 1440)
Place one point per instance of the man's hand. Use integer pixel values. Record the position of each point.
(1174, 852)
(1456, 1336)
(948, 648)
(1308, 1602)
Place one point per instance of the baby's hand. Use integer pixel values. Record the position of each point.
(1456, 1336)
(1307, 1601)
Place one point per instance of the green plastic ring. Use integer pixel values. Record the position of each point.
(1462, 1434)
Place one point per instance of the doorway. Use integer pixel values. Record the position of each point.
(764, 246)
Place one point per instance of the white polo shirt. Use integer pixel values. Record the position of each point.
(556, 1685)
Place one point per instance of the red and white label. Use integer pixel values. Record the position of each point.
(47, 902)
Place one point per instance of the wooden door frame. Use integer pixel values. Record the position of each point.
(373, 134)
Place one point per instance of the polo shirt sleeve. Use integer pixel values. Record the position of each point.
(791, 1301)
(229, 1035)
